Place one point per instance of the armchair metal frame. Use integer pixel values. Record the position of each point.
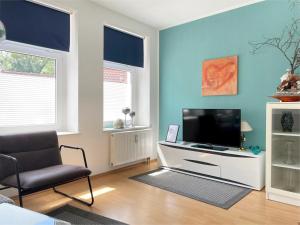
(22, 192)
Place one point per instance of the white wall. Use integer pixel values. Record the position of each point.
(90, 19)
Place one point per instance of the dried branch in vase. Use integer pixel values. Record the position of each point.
(288, 43)
(293, 3)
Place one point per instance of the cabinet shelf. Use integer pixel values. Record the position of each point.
(289, 134)
(284, 189)
(280, 163)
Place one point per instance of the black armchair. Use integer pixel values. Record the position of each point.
(32, 162)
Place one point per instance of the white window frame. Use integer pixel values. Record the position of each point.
(59, 56)
(134, 71)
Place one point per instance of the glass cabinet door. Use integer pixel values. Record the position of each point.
(285, 157)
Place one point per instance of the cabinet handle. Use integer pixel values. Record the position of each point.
(136, 138)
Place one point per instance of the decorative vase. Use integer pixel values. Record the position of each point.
(132, 115)
(287, 121)
(125, 111)
(289, 88)
(289, 149)
(118, 124)
(287, 98)
(290, 180)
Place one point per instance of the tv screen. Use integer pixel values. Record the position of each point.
(212, 126)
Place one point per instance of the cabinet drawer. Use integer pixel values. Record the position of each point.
(201, 167)
(193, 161)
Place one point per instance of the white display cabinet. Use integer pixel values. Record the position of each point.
(283, 152)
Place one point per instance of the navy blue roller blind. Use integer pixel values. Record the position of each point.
(34, 24)
(123, 48)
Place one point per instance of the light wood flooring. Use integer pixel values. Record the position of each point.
(135, 203)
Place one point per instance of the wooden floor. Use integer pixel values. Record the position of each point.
(120, 198)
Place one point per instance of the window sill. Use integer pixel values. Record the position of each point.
(113, 130)
(64, 133)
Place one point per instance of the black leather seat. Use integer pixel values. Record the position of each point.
(52, 175)
(32, 162)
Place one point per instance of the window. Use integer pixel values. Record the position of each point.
(28, 87)
(38, 68)
(117, 92)
(126, 81)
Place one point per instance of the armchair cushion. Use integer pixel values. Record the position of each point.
(32, 150)
(48, 176)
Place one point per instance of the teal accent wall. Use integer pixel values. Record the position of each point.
(183, 49)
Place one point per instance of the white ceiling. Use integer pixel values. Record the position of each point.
(162, 14)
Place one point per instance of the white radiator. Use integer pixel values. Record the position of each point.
(130, 146)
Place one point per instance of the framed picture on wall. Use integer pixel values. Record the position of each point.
(220, 76)
(172, 133)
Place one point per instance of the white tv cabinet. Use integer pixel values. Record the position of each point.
(283, 154)
(232, 166)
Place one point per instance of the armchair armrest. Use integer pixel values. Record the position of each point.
(76, 148)
(16, 165)
(8, 157)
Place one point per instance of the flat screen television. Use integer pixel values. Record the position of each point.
(212, 126)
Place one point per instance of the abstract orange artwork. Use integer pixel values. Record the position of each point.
(219, 76)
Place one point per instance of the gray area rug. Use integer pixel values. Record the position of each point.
(212, 192)
(77, 216)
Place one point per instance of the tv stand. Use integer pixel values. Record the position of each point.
(205, 146)
(241, 168)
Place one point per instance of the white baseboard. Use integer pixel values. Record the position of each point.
(283, 199)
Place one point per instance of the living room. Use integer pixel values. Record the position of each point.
(149, 112)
